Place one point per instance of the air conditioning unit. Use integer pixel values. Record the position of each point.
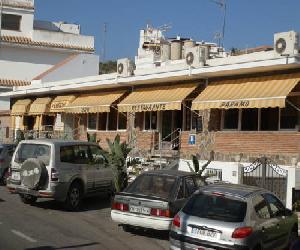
(286, 43)
(125, 67)
(195, 56)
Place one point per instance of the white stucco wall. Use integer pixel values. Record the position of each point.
(26, 22)
(4, 103)
(81, 66)
(24, 63)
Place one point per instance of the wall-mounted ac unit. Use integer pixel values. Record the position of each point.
(195, 56)
(286, 43)
(125, 67)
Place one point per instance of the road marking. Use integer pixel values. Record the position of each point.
(23, 236)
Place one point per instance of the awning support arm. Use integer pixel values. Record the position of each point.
(293, 105)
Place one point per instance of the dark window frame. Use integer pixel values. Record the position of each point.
(14, 25)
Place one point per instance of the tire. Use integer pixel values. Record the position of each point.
(293, 236)
(74, 197)
(4, 177)
(28, 199)
(34, 174)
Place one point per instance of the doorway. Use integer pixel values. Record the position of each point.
(29, 122)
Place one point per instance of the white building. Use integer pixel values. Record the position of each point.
(40, 50)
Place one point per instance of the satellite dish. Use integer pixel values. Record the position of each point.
(280, 45)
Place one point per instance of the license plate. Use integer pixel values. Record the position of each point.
(205, 233)
(16, 176)
(139, 210)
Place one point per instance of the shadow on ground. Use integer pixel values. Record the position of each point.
(161, 235)
(88, 204)
(64, 247)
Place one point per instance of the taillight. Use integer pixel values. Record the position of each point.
(160, 212)
(242, 232)
(176, 221)
(120, 206)
(54, 174)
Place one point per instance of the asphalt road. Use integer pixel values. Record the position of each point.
(46, 226)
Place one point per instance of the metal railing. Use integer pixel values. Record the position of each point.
(174, 142)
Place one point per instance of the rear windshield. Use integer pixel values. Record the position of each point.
(153, 185)
(37, 151)
(216, 208)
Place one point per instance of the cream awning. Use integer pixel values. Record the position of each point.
(158, 98)
(93, 103)
(255, 92)
(40, 106)
(21, 107)
(60, 102)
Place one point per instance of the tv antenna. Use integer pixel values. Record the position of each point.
(104, 34)
(222, 5)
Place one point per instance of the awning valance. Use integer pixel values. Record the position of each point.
(255, 92)
(158, 98)
(40, 106)
(60, 102)
(21, 107)
(93, 103)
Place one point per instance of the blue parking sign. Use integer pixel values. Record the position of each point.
(192, 139)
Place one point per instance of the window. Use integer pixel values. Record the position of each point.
(187, 115)
(150, 120)
(190, 186)
(199, 181)
(196, 121)
(102, 120)
(122, 121)
(261, 207)
(139, 120)
(276, 207)
(269, 119)
(92, 121)
(231, 119)
(75, 154)
(289, 115)
(36, 151)
(96, 155)
(11, 22)
(215, 207)
(250, 119)
(180, 194)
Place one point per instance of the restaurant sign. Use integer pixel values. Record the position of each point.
(148, 107)
(235, 104)
(58, 105)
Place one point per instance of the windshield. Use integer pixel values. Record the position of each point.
(153, 185)
(37, 151)
(216, 208)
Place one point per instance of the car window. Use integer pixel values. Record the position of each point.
(199, 181)
(76, 154)
(180, 194)
(216, 207)
(153, 185)
(276, 207)
(190, 186)
(37, 151)
(261, 207)
(96, 155)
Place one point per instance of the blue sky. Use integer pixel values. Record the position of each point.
(249, 23)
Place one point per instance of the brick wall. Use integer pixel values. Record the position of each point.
(258, 142)
(146, 140)
(103, 135)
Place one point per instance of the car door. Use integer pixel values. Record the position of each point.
(87, 170)
(277, 210)
(264, 223)
(103, 173)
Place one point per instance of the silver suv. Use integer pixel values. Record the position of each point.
(66, 171)
(227, 216)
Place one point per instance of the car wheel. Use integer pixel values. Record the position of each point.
(74, 197)
(28, 199)
(5, 177)
(126, 228)
(293, 236)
